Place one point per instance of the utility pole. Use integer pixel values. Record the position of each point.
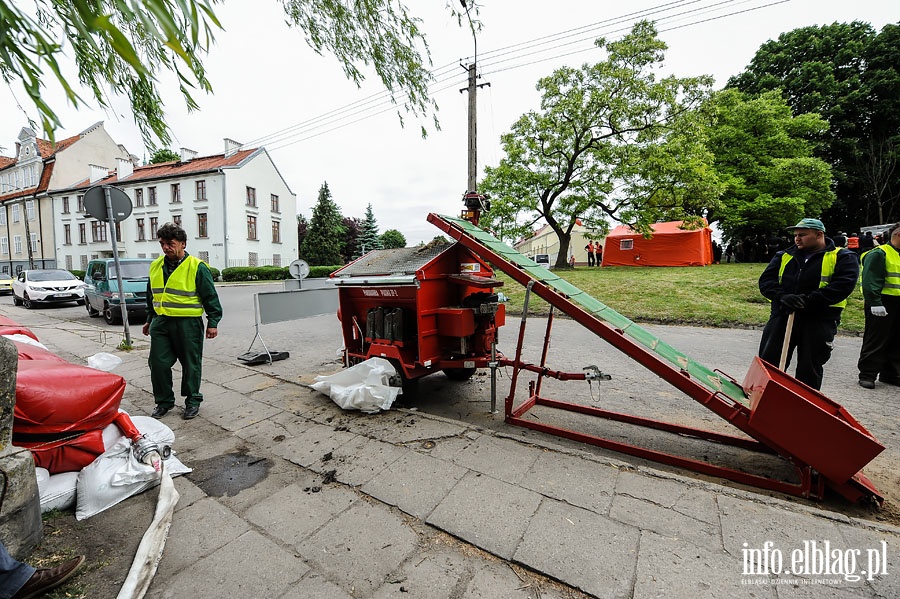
(472, 182)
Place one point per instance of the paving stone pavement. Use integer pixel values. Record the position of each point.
(352, 505)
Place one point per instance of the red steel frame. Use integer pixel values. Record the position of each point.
(811, 483)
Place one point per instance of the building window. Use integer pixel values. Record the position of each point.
(154, 226)
(251, 227)
(80, 204)
(84, 261)
(141, 235)
(201, 191)
(69, 262)
(253, 259)
(29, 209)
(201, 224)
(176, 193)
(251, 196)
(66, 205)
(276, 207)
(203, 256)
(16, 213)
(276, 260)
(82, 233)
(139, 198)
(17, 244)
(98, 231)
(3, 215)
(276, 231)
(151, 196)
(67, 234)
(4, 246)
(34, 247)
(176, 218)
(119, 232)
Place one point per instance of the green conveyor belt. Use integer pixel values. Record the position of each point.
(519, 263)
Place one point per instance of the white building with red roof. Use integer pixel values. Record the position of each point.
(235, 207)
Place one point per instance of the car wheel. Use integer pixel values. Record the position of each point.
(112, 314)
(16, 300)
(27, 301)
(92, 312)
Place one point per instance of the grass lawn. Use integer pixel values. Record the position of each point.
(721, 295)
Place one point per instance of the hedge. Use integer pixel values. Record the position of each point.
(270, 273)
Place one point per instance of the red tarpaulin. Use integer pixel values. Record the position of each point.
(61, 408)
(671, 245)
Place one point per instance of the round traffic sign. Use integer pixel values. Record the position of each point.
(95, 203)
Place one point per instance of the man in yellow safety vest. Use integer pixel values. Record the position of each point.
(180, 289)
(879, 356)
(812, 279)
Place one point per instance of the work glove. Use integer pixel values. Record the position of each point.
(878, 311)
(793, 302)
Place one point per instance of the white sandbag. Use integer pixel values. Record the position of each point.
(103, 361)
(363, 387)
(117, 474)
(57, 491)
(157, 431)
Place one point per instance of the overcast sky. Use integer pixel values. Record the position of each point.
(268, 85)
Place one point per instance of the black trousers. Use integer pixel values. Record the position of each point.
(880, 352)
(813, 339)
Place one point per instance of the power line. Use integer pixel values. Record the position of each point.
(381, 103)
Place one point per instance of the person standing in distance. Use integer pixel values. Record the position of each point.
(813, 280)
(180, 289)
(879, 356)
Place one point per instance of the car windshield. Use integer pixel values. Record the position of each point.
(50, 275)
(131, 270)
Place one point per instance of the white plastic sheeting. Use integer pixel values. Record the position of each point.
(364, 387)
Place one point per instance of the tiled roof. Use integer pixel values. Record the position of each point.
(5, 161)
(48, 149)
(176, 168)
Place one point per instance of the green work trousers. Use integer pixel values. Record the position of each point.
(174, 338)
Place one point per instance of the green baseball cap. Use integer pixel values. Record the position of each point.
(809, 223)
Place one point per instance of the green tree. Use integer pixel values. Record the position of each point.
(123, 47)
(164, 155)
(393, 239)
(764, 157)
(848, 75)
(368, 233)
(612, 140)
(302, 227)
(322, 244)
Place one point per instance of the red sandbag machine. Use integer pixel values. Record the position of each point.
(425, 309)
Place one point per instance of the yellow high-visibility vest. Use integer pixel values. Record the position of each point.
(829, 260)
(891, 269)
(177, 296)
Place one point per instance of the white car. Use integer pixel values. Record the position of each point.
(54, 286)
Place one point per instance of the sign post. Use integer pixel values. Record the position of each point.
(111, 204)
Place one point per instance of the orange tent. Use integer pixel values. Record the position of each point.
(671, 245)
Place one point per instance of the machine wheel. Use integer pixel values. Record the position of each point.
(410, 386)
(92, 312)
(16, 300)
(27, 301)
(459, 374)
(112, 314)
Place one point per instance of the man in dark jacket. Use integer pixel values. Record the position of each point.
(813, 280)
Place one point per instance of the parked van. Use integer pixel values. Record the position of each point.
(101, 292)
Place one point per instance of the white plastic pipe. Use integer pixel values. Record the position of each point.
(150, 551)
